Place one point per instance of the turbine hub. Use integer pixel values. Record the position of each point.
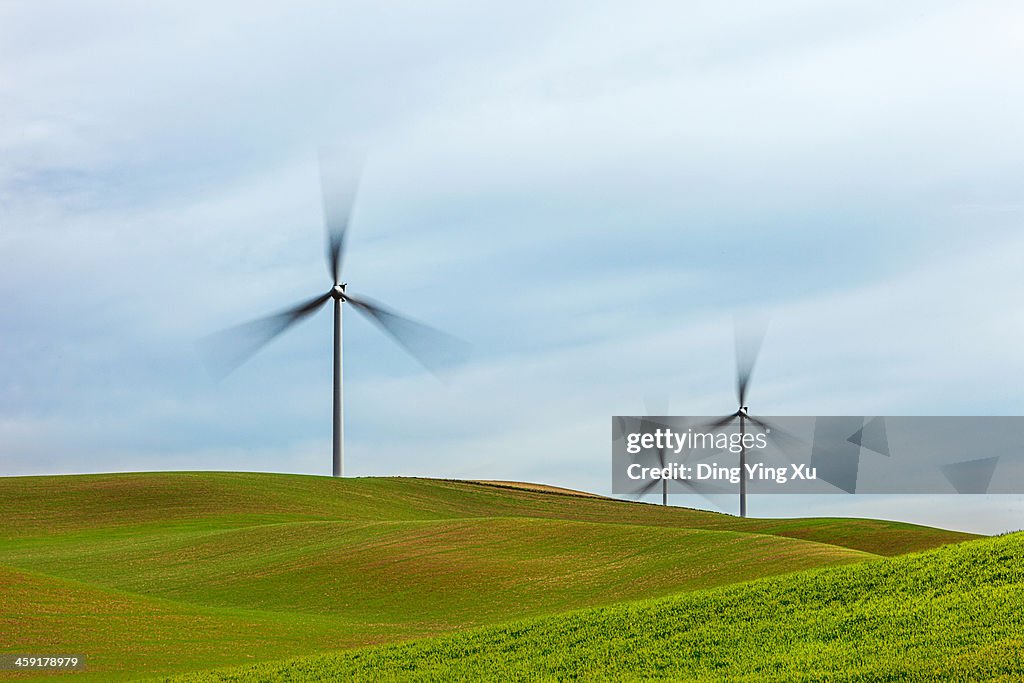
(742, 411)
(338, 292)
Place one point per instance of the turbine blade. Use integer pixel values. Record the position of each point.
(748, 346)
(702, 488)
(339, 184)
(717, 424)
(226, 350)
(705, 491)
(648, 425)
(647, 488)
(785, 441)
(435, 350)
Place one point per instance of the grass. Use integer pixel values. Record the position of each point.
(953, 614)
(165, 572)
(394, 572)
(124, 634)
(35, 506)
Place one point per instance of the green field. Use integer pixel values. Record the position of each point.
(953, 614)
(162, 573)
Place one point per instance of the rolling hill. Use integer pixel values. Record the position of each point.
(163, 572)
(952, 614)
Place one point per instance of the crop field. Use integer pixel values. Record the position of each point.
(168, 573)
(954, 614)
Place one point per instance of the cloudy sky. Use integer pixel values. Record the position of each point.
(587, 192)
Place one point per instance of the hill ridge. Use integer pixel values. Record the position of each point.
(191, 495)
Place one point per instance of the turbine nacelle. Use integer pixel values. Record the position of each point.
(743, 412)
(338, 292)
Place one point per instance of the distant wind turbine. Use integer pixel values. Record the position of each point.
(748, 346)
(230, 348)
(658, 406)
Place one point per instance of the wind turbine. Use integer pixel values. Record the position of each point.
(702, 490)
(659, 406)
(230, 348)
(748, 346)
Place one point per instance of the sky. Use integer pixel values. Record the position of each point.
(589, 193)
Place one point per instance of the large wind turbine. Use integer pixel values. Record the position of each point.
(230, 348)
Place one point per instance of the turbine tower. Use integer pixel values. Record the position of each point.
(230, 348)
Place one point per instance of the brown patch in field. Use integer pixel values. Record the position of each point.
(542, 488)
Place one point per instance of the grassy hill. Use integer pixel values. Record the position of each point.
(35, 506)
(953, 614)
(150, 573)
